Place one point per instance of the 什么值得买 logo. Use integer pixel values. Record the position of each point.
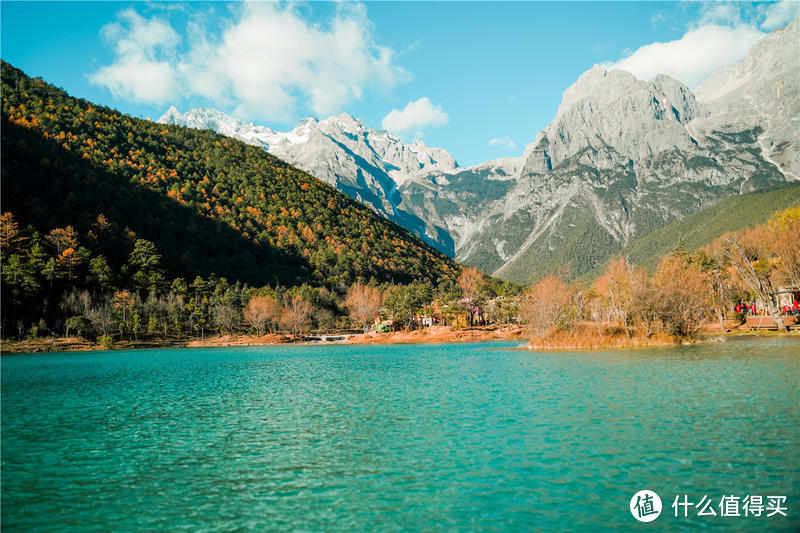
(645, 506)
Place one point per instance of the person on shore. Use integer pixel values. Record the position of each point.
(796, 308)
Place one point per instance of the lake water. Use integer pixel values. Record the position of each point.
(403, 437)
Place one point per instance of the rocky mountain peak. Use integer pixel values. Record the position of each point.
(775, 55)
(343, 123)
(613, 109)
(621, 157)
(597, 82)
(169, 116)
(762, 91)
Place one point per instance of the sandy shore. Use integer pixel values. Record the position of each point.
(442, 334)
(586, 339)
(76, 344)
(432, 334)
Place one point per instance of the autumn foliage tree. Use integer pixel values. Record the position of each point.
(681, 288)
(785, 226)
(296, 313)
(11, 238)
(63, 238)
(260, 311)
(615, 287)
(545, 304)
(646, 303)
(471, 281)
(363, 303)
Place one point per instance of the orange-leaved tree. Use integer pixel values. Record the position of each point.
(261, 311)
(545, 304)
(363, 303)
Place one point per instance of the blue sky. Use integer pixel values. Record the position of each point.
(480, 79)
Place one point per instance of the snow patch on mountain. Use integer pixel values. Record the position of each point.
(622, 157)
(368, 165)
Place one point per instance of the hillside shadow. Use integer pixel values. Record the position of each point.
(48, 186)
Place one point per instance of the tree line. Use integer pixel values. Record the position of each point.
(59, 283)
(55, 284)
(686, 290)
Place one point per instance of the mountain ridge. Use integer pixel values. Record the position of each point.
(209, 203)
(367, 165)
(622, 157)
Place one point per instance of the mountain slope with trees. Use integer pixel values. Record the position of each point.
(705, 226)
(120, 227)
(208, 202)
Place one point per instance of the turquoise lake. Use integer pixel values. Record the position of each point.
(404, 437)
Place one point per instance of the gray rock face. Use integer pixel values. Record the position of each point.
(613, 108)
(460, 199)
(621, 158)
(763, 91)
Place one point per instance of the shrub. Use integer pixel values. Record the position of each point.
(106, 342)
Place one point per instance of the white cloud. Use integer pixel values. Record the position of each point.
(505, 142)
(657, 18)
(780, 13)
(138, 73)
(415, 116)
(693, 57)
(266, 58)
(720, 13)
(138, 79)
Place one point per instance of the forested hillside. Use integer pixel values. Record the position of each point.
(100, 202)
(208, 202)
(703, 227)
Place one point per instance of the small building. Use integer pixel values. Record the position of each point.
(787, 296)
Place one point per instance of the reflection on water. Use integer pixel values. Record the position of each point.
(457, 437)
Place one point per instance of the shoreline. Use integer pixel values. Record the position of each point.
(433, 334)
(430, 335)
(442, 334)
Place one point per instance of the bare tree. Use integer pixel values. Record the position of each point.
(719, 292)
(226, 317)
(262, 310)
(364, 303)
(102, 316)
(76, 302)
(755, 271)
(296, 313)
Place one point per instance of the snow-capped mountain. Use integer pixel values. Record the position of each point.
(368, 165)
(621, 158)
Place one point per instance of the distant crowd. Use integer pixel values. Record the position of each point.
(751, 309)
(793, 309)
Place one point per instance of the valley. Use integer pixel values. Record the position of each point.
(622, 158)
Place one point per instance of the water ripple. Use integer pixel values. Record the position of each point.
(394, 438)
